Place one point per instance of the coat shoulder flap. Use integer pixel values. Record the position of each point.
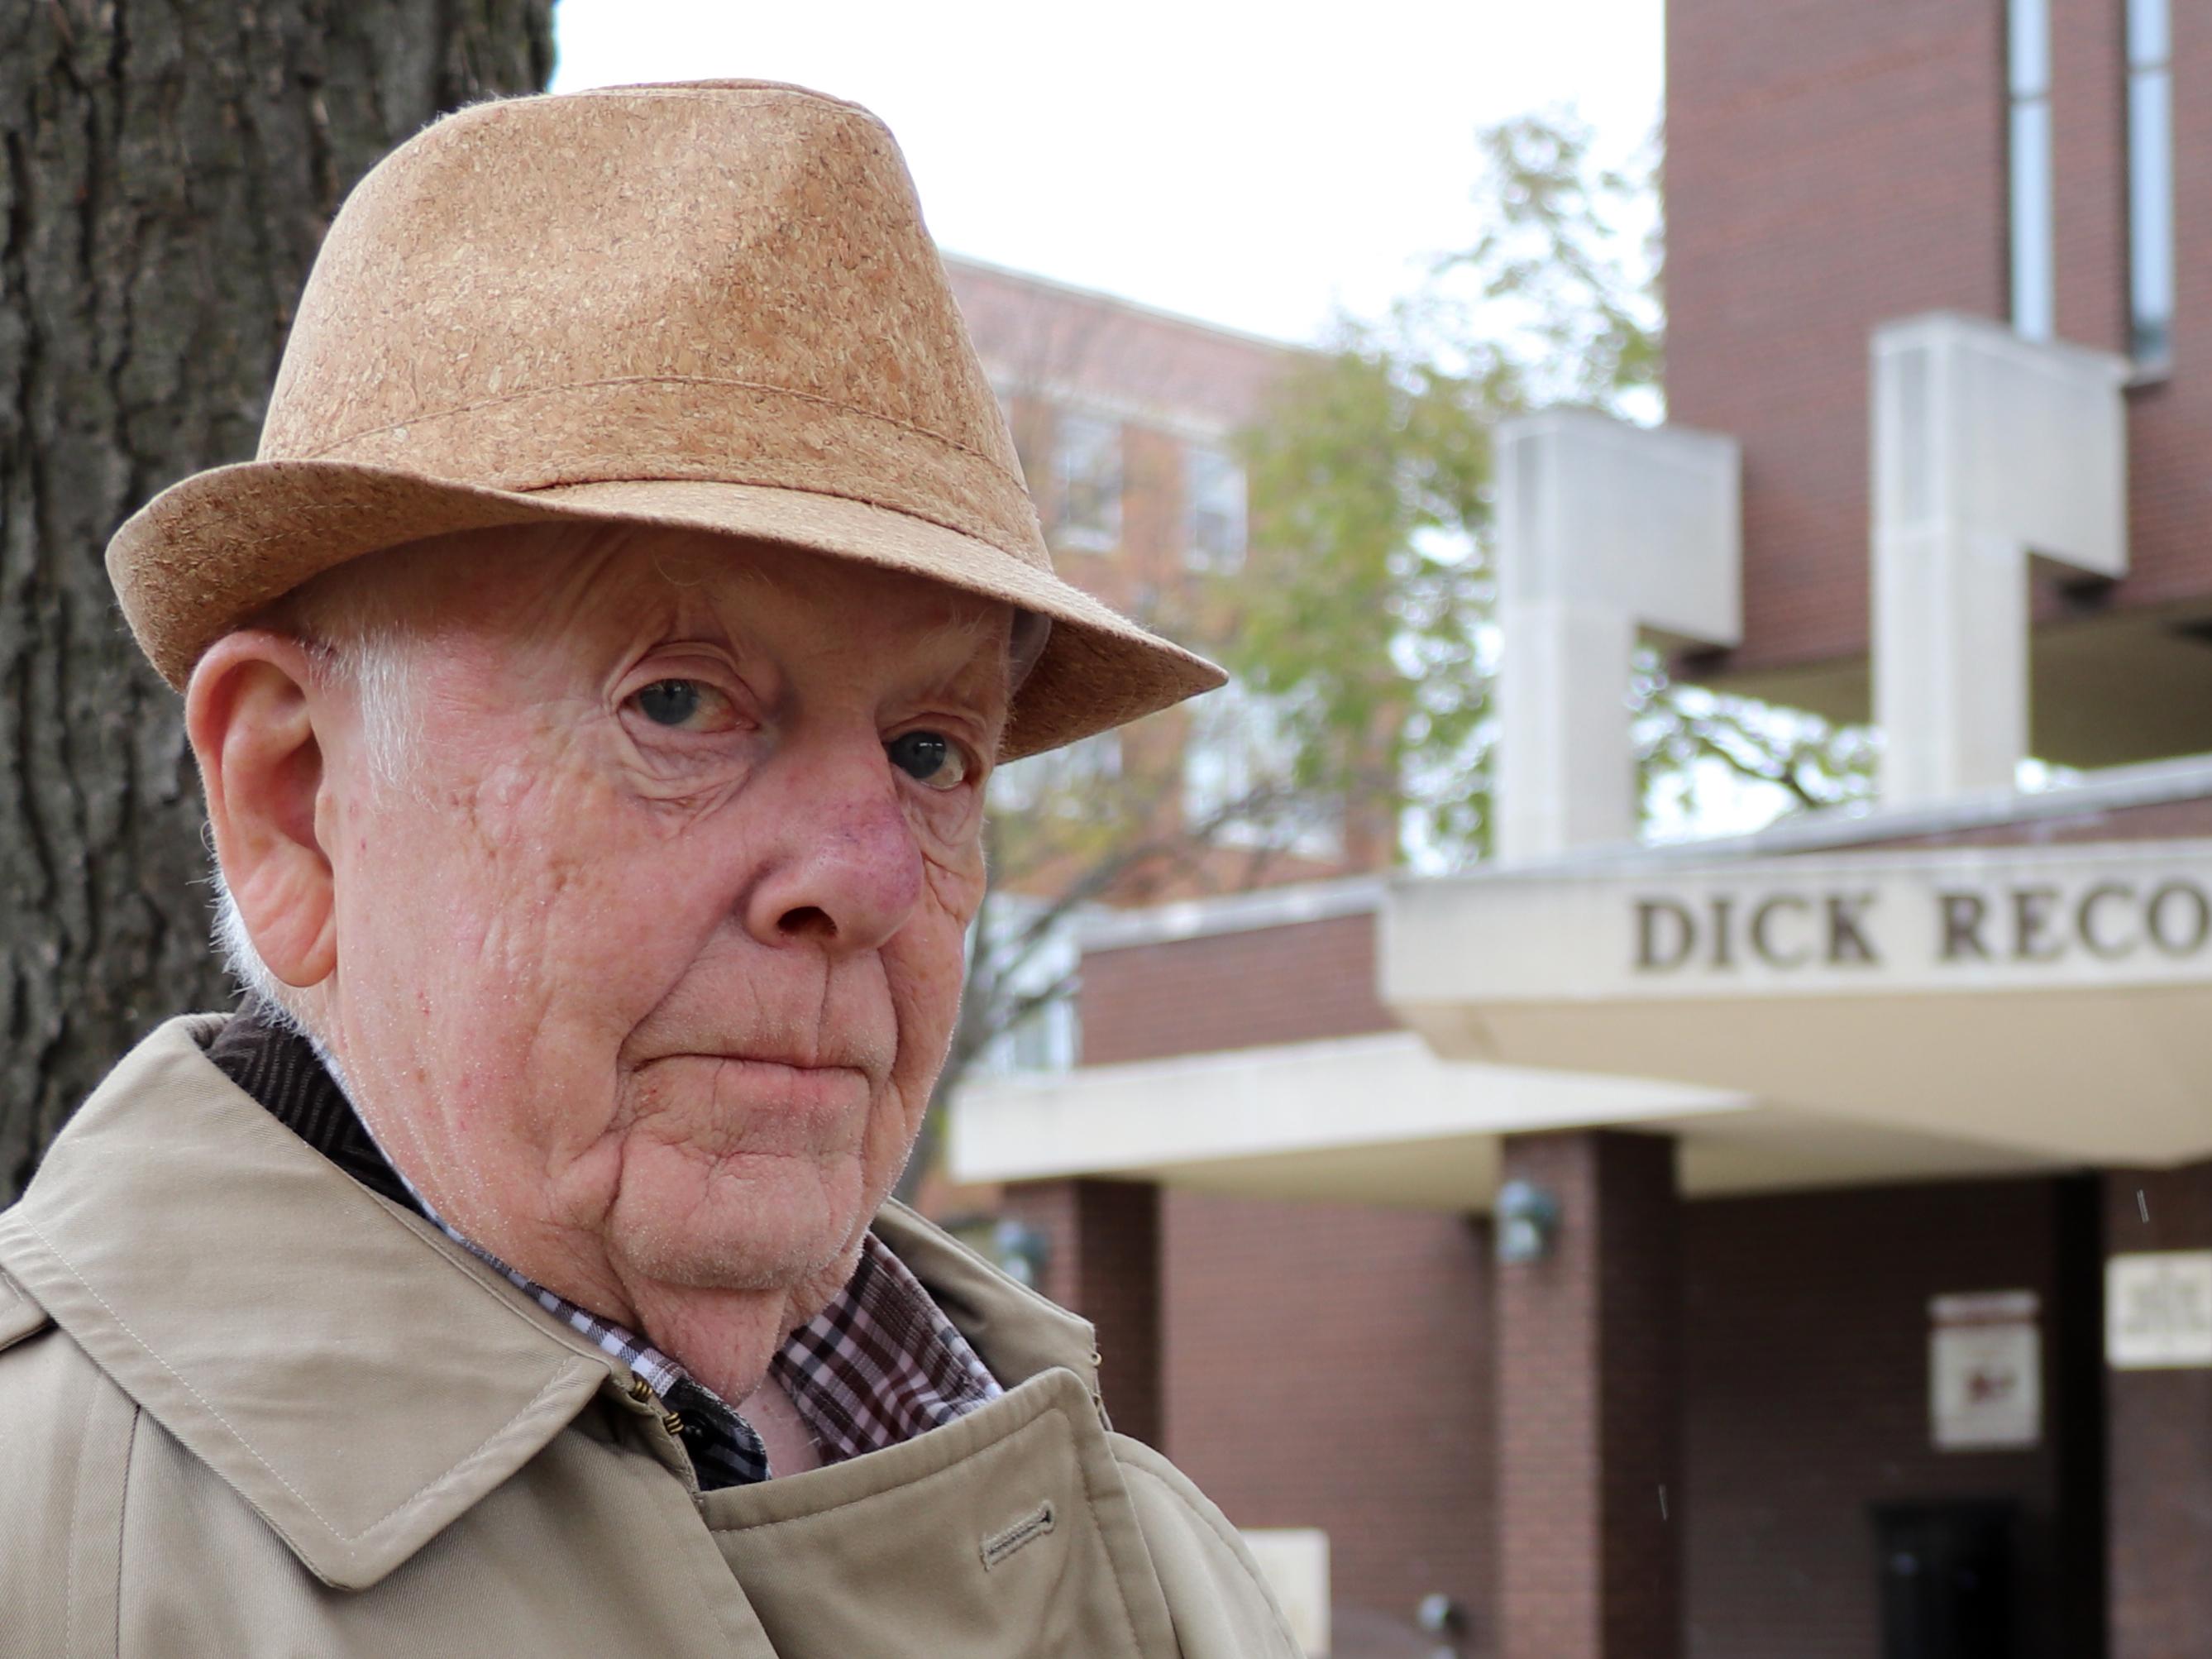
(1221, 1605)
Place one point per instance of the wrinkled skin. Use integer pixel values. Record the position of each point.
(644, 970)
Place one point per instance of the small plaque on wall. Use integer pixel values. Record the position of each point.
(1984, 1372)
(2158, 1309)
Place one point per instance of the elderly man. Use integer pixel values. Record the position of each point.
(594, 682)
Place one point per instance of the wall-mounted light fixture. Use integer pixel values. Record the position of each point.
(1440, 1616)
(1527, 1221)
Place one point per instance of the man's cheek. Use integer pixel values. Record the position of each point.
(926, 998)
(955, 885)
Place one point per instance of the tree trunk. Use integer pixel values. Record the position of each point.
(169, 168)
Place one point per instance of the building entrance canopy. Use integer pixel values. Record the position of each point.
(2052, 1002)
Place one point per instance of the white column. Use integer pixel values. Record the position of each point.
(1604, 530)
(1987, 449)
(1565, 776)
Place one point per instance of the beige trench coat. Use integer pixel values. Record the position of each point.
(248, 1409)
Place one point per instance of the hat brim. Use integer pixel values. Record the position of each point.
(207, 553)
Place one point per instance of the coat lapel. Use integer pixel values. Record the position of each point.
(360, 1381)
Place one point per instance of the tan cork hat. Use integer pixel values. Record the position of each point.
(709, 306)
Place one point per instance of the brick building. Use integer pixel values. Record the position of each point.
(1128, 421)
(1797, 1244)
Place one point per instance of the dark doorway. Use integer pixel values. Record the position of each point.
(1948, 1573)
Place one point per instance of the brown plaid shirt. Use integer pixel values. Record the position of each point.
(880, 1365)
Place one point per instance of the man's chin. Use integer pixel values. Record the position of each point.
(760, 1248)
(754, 1268)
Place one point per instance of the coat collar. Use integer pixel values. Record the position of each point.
(1017, 1332)
(358, 1378)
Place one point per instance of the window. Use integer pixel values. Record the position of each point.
(1067, 779)
(1213, 487)
(1086, 470)
(2028, 56)
(1047, 1040)
(1236, 781)
(2150, 183)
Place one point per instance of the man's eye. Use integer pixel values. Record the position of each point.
(685, 705)
(930, 758)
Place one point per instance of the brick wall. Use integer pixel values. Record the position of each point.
(2160, 1429)
(1590, 1406)
(2170, 427)
(1033, 332)
(1235, 990)
(1329, 1366)
(1168, 385)
(1807, 1395)
(1831, 166)
(1104, 1244)
(1335, 1366)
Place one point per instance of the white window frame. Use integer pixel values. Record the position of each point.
(1058, 779)
(2029, 167)
(2150, 183)
(1051, 1039)
(1086, 452)
(1234, 735)
(1229, 478)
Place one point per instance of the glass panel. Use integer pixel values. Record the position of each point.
(2032, 296)
(1216, 530)
(1067, 780)
(2028, 53)
(1087, 461)
(1048, 1039)
(1217, 757)
(1237, 778)
(2149, 39)
(2150, 212)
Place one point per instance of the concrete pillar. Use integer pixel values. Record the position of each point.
(2158, 1449)
(1589, 1521)
(1102, 1261)
(1604, 530)
(1987, 448)
(1566, 769)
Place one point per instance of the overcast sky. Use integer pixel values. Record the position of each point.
(1254, 166)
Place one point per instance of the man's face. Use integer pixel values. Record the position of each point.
(648, 966)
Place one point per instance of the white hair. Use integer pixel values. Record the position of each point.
(351, 640)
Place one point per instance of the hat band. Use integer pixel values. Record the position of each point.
(706, 431)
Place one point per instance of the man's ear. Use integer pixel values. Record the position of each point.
(249, 711)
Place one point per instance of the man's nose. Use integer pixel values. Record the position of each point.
(844, 868)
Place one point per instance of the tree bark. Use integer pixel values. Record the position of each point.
(167, 168)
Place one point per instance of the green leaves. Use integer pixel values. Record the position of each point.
(1369, 471)
(1367, 608)
(1567, 274)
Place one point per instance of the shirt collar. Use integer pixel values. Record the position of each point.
(879, 1364)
